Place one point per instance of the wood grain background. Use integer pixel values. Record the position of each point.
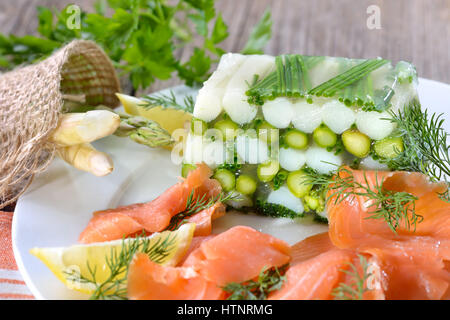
(413, 30)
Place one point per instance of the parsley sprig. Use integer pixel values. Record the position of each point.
(140, 37)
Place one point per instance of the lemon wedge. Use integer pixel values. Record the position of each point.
(168, 118)
(73, 265)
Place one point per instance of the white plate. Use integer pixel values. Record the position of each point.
(60, 201)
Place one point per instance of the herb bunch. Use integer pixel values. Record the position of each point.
(269, 280)
(393, 207)
(140, 37)
(426, 143)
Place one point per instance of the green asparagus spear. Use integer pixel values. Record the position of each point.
(143, 131)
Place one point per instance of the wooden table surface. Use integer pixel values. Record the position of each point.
(413, 30)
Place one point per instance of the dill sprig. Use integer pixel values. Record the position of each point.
(168, 101)
(394, 207)
(194, 205)
(319, 181)
(445, 196)
(358, 282)
(269, 280)
(425, 140)
(117, 262)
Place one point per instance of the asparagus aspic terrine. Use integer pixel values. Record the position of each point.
(263, 122)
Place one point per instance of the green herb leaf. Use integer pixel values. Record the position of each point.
(220, 30)
(140, 37)
(100, 7)
(194, 70)
(445, 196)
(260, 35)
(279, 179)
(121, 25)
(358, 282)
(45, 27)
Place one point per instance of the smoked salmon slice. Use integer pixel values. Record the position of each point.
(148, 280)
(154, 216)
(318, 268)
(413, 270)
(414, 262)
(195, 243)
(349, 223)
(314, 278)
(115, 226)
(203, 219)
(406, 264)
(237, 255)
(310, 248)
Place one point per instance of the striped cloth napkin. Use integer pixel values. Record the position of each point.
(12, 285)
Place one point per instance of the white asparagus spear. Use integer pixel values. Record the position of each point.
(307, 117)
(292, 159)
(234, 100)
(322, 160)
(76, 128)
(337, 116)
(278, 112)
(85, 157)
(374, 124)
(208, 104)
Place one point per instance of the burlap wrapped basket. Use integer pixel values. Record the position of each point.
(31, 101)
